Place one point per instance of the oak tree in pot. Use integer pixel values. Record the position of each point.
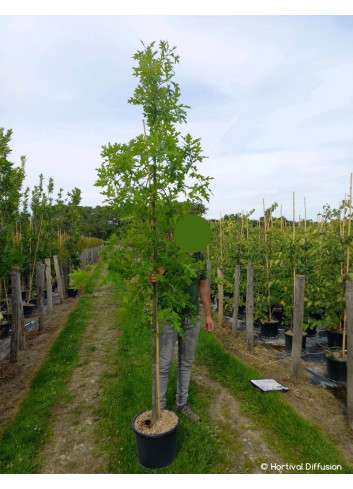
(145, 180)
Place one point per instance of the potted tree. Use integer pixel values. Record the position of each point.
(268, 296)
(146, 178)
(336, 357)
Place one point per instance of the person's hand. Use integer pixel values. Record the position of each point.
(209, 325)
(152, 277)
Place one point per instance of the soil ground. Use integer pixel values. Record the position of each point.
(75, 446)
(315, 403)
(15, 378)
(253, 453)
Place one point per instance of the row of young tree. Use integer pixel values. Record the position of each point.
(34, 223)
(279, 249)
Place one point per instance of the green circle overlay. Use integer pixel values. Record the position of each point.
(192, 233)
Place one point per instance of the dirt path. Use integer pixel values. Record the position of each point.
(74, 447)
(313, 402)
(251, 454)
(15, 378)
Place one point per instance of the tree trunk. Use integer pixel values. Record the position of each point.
(156, 404)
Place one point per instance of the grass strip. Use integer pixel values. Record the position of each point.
(288, 434)
(22, 440)
(127, 393)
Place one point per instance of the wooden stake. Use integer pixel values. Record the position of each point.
(347, 267)
(250, 308)
(58, 279)
(349, 309)
(298, 317)
(236, 300)
(220, 297)
(267, 264)
(148, 166)
(293, 217)
(221, 238)
(40, 269)
(304, 214)
(48, 285)
(16, 314)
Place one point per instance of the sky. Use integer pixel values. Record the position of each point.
(270, 96)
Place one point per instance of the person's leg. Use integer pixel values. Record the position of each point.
(186, 353)
(167, 341)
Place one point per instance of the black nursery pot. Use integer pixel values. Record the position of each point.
(156, 452)
(269, 329)
(336, 368)
(5, 329)
(277, 313)
(311, 331)
(334, 338)
(71, 292)
(28, 310)
(288, 341)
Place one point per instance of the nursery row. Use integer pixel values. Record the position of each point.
(52, 285)
(34, 223)
(280, 250)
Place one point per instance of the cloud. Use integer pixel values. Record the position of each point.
(270, 96)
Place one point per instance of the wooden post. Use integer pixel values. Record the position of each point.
(48, 284)
(298, 315)
(22, 331)
(250, 308)
(208, 269)
(58, 279)
(220, 297)
(349, 324)
(63, 277)
(236, 299)
(16, 314)
(40, 269)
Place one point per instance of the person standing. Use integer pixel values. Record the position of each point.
(198, 289)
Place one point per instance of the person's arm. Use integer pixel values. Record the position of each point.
(204, 292)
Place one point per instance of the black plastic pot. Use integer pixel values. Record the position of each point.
(288, 341)
(336, 368)
(277, 313)
(311, 331)
(5, 329)
(269, 329)
(72, 292)
(156, 452)
(334, 338)
(28, 310)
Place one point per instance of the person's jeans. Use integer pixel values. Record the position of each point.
(186, 354)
